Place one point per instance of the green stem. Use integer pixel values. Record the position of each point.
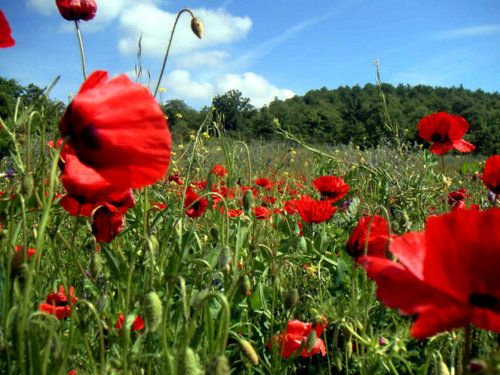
(168, 48)
(466, 349)
(82, 50)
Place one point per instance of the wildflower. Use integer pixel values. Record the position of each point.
(178, 115)
(313, 211)
(75, 10)
(261, 213)
(18, 259)
(176, 178)
(491, 174)
(447, 274)
(331, 188)
(137, 325)
(371, 233)
(59, 304)
(263, 182)
(118, 139)
(219, 170)
(162, 90)
(445, 132)
(158, 206)
(6, 39)
(456, 196)
(234, 212)
(195, 207)
(296, 337)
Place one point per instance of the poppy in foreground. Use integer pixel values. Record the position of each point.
(118, 136)
(447, 275)
(491, 174)
(6, 39)
(331, 188)
(311, 210)
(297, 336)
(445, 132)
(195, 207)
(371, 234)
(59, 304)
(75, 10)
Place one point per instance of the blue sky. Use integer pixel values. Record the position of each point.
(263, 48)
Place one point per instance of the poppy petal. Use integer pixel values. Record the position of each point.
(463, 146)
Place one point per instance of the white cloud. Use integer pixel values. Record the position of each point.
(473, 31)
(213, 58)
(155, 26)
(42, 6)
(180, 84)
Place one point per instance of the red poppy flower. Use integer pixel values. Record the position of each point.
(20, 250)
(313, 211)
(176, 177)
(108, 220)
(57, 303)
(219, 170)
(372, 234)
(119, 137)
(263, 182)
(158, 206)
(261, 212)
(6, 39)
(234, 212)
(456, 196)
(491, 174)
(445, 132)
(331, 188)
(195, 207)
(296, 335)
(137, 325)
(447, 274)
(75, 10)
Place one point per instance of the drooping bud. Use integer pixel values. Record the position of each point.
(188, 363)
(218, 366)
(153, 311)
(197, 27)
(248, 200)
(291, 299)
(311, 340)
(246, 286)
(225, 258)
(441, 368)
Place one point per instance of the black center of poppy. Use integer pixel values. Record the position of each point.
(89, 137)
(486, 301)
(329, 194)
(436, 137)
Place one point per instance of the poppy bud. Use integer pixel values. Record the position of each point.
(27, 186)
(311, 340)
(197, 27)
(153, 311)
(75, 10)
(249, 351)
(214, 232)
(442, 369)
(188, 363)
(218, 366)
(248, 200)
(96, 265)
(291, 299)
(246, 286)
(225, 258)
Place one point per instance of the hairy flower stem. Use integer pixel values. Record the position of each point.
(82, 50)
(466, 349)
(168, 48)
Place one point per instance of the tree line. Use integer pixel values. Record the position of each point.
(333, 116)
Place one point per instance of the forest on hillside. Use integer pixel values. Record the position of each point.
(333, 116)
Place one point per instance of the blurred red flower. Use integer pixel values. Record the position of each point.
(263, 182)
(75, 10)
(447, 275)
(311, 210)
(371, 233)
(331, 188)
(137, 325)
(491, 174)
(456, 196)
(261, 212)
(59, 304)
(296, 335)
(176, 177)
(445, 132)
(219, 170)
(6, 39)
(118, 136)
(195, 207)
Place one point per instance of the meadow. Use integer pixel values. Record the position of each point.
(126, 253)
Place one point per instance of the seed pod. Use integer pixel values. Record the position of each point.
(246, 286)
(291, 298)
(96, 265)
(248, 200)
(311, 341)
(225, 258)
(441, 368)
(153, 311)
(214, 232)
(249, 351)
(197, 27)
(218, 366)
(188, 363)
